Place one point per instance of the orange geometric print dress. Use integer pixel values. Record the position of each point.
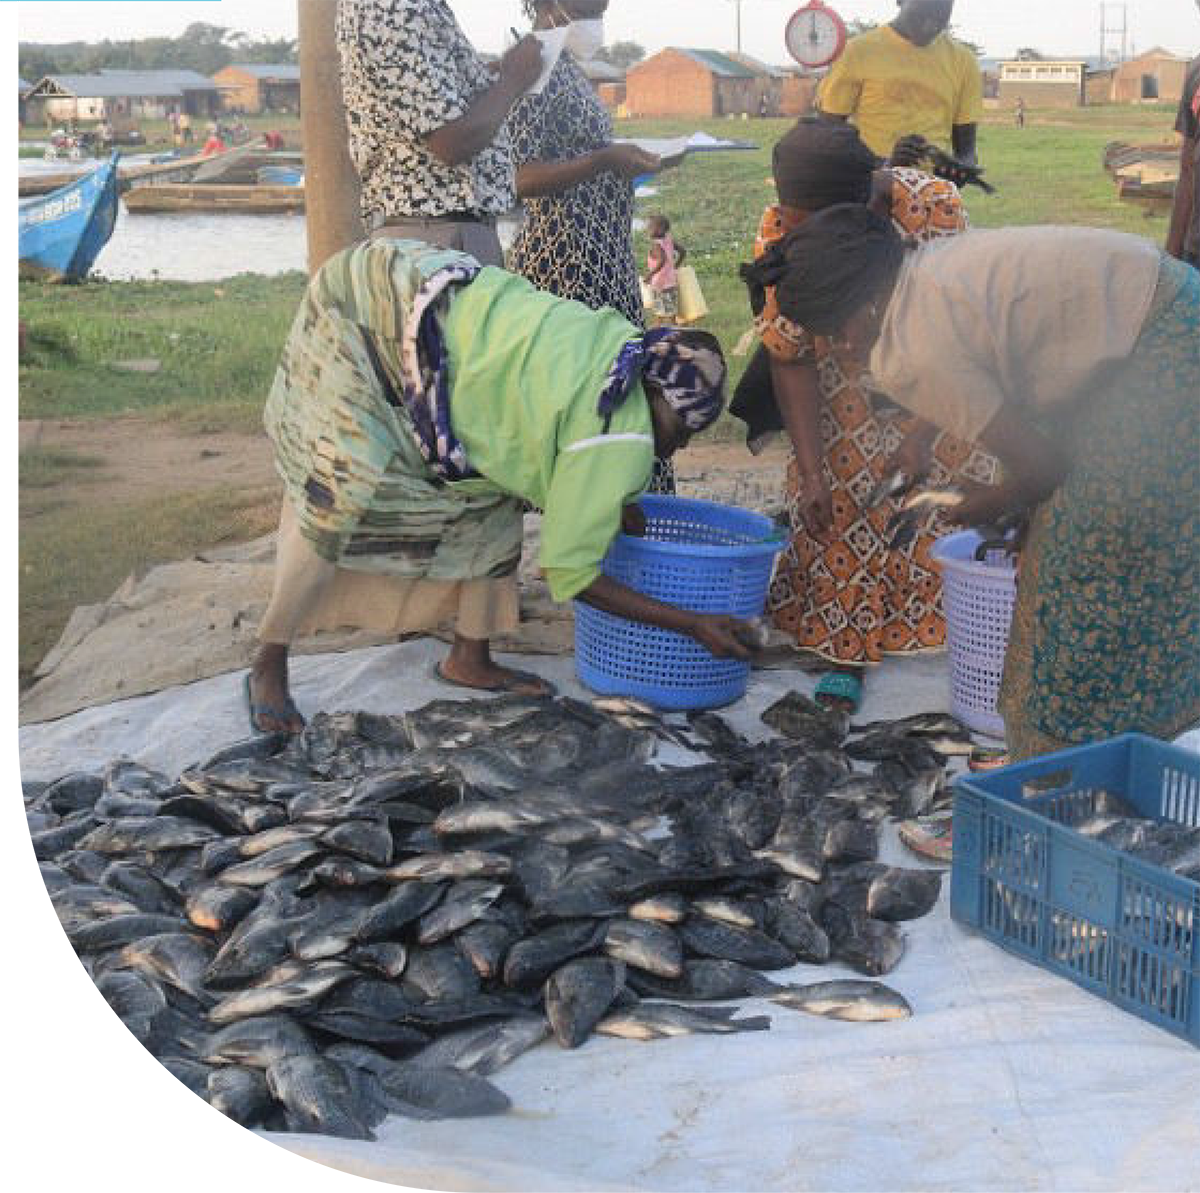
(850, 599)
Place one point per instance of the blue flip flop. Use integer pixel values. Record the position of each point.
(281, 714)
(841, 685)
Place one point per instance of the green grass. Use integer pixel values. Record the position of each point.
(76, 554)
(218, 345)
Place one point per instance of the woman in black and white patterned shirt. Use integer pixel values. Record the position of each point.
(576, 184)
(425, 119)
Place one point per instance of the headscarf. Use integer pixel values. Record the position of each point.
(828, 268)
(819, 163)
(685, 366)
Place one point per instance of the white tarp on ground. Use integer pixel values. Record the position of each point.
(1006, 1078)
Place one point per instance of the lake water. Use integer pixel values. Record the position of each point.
(207, 246)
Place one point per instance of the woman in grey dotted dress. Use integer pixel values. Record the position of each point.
(577, 186)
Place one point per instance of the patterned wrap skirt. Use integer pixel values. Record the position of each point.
(1106, 633)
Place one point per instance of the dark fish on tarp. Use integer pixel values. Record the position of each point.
(118, 930)
(178, 958)
(794, 927)
(801, 719)
(667, 908)
(724, 942)
(867, 946)
(50, 843)
(258, 1043)
(218, 908)
(442, 1092)
(654, 947)
(854, 1001)
(851, 841)
(131, 778)
(149, 834)
(438, 974)
(579, 995)
(299, 994)
(532, 960)
(464, 903)
(264, 842)
(433, 867)
(728, 911)
(267, 867)
(238, 1093)
(704, 981)
(318, 1096)
(137, 1000)
(350, 1025)
(145, 888)
(367, 840)
(899, 894)
(191, 1073)
(657, 1021)
(253, 947)
(484, 1048)
(388, 917)
(72, 793)
(485, 944)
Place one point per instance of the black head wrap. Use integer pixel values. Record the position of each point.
(822, 162)
(834, 263)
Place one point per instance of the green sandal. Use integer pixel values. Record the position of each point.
(841, 685)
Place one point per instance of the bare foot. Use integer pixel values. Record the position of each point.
(491, 677)
(272, 710)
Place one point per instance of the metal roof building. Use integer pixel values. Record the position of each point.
(682, 81)
(115, 94)
(259, 86)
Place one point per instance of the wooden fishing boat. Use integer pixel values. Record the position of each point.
(215, 197)
(61, 234)
(141, 174)
(240, 166)
(1158, 196)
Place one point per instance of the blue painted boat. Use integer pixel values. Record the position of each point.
(280, 176)
(62, 233)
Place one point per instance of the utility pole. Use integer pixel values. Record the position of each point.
(737, 4)
(1112, 29)
(330, 182)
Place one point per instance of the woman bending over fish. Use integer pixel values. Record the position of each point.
(421, 400)
(1088, 392)
(842, 591)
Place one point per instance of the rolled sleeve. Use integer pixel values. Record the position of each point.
(839, 93)
(593, 481)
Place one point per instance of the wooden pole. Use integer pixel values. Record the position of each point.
(330, 183)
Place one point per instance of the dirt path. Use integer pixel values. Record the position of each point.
(145, 458)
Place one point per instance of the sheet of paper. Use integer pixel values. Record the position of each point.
(672, 150)
(553, 41)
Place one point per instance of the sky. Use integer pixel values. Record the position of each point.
(1056, 27)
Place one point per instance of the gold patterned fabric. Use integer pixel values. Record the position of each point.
(851, 599)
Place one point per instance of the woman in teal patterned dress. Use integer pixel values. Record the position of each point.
(1074, 355)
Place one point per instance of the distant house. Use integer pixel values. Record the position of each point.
(12, 102)
(608, 80)
(122, 96)
(798, 95)
(259, 87)
(1156, 76)
(1058, 84)
(700, 83)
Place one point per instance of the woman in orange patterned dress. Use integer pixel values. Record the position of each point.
(839, 590)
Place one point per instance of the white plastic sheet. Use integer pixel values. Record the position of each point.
(1006, 1078)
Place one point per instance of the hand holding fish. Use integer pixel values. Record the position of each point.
(723, 637)
(985, 504)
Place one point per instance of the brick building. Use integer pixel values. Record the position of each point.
(259, 87)
(122, 96)
(701, 83)
(1156, 76)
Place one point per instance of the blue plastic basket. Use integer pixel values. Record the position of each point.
(1119, 927)
(696, 555)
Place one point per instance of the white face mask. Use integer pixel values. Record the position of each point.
(585, 39)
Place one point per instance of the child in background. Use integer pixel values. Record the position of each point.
(663, 262)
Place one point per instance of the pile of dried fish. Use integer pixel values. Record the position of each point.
(376, 915)
(1111, 820)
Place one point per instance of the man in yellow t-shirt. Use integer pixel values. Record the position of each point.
(909, 78)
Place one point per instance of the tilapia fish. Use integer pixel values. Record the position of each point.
(373, 916)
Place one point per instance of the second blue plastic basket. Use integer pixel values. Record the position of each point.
(697, 555)
(1118, 926)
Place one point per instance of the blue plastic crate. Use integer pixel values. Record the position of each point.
(1119, 927)
(697, 555)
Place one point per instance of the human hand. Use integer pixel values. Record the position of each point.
(815, 504)
(908, 151)
(912, 457)
(629, 161)
(633, 520)
(982, 505)
(522, 64)
(723, 637)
